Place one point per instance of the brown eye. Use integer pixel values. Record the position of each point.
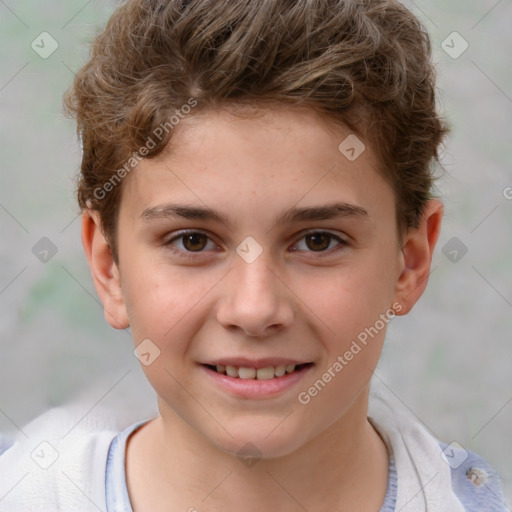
(194, 241)
(318, 241)
(189, 242)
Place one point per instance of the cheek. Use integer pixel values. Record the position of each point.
(161, 300)
(356, 309)
(154, 298)
(350, 298)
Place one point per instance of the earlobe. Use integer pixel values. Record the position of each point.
(416, 257)
(105, 273)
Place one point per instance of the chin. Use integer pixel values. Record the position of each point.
(260, 441)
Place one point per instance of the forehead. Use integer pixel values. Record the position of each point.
(282, 156)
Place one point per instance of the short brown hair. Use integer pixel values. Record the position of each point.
(363, 63)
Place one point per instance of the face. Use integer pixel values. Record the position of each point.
(256, 244)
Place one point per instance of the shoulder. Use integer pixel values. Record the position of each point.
(475, 482)
(459, 480)
(57, 461)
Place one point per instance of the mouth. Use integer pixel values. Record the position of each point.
(267, 372)
(251, 379)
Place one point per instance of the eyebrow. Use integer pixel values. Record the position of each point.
(322, 212)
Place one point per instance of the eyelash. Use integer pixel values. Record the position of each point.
(194, 254)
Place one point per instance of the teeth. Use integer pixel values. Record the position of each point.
(266, 373)
(232, 371)
(280, 370)
(247, 373)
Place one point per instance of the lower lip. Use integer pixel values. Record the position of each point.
(254, 388)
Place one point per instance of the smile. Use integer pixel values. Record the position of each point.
(266, 373)
(256, 380)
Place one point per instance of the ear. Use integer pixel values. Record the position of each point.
(105, 273)
(416, 255)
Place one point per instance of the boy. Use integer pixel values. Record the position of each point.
(295, 140)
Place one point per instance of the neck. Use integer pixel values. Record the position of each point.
(345, 468)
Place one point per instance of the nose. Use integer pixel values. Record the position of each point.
(255, 299)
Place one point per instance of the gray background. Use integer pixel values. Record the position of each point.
(448, 361)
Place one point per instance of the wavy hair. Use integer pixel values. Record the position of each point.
(365, 64)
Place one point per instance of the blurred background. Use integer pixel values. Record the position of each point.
(448, 361)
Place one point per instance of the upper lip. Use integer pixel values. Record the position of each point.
(245, 362)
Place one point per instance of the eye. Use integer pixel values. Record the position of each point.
(319, 241)
(190, 241)
(186, 243)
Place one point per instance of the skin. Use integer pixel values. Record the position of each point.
(297, 299)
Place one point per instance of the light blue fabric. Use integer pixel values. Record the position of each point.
(115, 479)
(390, 499)
(475, 495)
(5, 443)
(116, 492)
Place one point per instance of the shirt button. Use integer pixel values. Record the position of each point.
(477, 476)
